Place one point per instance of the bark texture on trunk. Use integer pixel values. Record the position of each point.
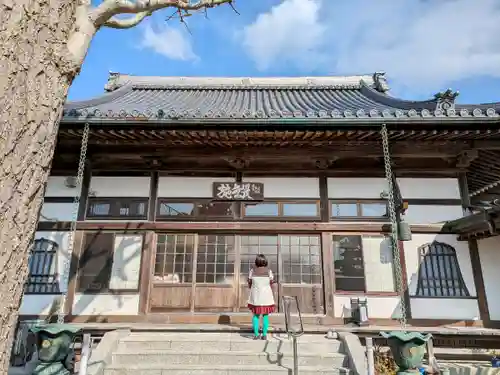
(34, 82)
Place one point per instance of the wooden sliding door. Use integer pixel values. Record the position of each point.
(251, 246)
(194, 273)
(296, 263)
(301, 271)
(208, 272)
(215, 272)
(172, 289)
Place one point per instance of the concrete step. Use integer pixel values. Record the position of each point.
(167, 369)
(228, 342)
(217, 358)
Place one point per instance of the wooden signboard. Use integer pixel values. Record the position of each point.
(238, 191)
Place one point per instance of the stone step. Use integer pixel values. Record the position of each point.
(269, 346)
(166, 369)
(211, 336)
(217, 358)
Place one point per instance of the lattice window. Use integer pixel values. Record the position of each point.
(439, 273)
(43, 278)
(215, 259)
(251, 246)
(301, 257)
(174, 258)
(117, 208)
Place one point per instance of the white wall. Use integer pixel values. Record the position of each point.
(124, 275)
(411, 188)
(379, 278)
(57, 188)
(38, 304)
(429, 188)
(489, 254)
(378, 307)
(432, 214)
(356, 188)
(188, 187)
(119, 187)
(378, 263)
(440, 308)
(106, 304)
(57, 212)
(288, 187)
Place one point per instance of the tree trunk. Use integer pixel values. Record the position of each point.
(34, 82)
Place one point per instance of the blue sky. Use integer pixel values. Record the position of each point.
(424, 46)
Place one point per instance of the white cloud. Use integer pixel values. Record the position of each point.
(422, 44)
(169, 42)
(278, 36)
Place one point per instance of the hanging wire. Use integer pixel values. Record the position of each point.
(61, 315)
(394, 226)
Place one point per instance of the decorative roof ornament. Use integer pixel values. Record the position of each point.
(113, 82)
(445, 100)
(380, 82)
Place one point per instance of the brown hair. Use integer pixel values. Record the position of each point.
(261, 261)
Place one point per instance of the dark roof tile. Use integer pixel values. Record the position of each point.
(266, 98)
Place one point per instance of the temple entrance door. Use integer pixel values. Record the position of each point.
(250, 247)
(208, 272)
(215, 284)
(297, 266)
(172, 283)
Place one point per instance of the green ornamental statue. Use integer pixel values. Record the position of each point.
(408, 349)
(55, 351)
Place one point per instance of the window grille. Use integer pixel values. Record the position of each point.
(43, 277)
(174, 258)
(439, 273)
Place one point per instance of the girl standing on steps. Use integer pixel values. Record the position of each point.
(261, 300)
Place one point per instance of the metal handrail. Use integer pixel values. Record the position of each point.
(294, 334)
(85, 353)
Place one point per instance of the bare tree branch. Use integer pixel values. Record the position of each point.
(104, 14)
(116, 23)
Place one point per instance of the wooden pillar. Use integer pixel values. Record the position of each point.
(153, 196)
(477, 271)
(147, 266)
(73, 271)
(328, 273)
(477, 274)
(464, 193)
(323, 204)
(84, 193)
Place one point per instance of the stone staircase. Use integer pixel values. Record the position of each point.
(223, 353)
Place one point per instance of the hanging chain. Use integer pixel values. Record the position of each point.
(71, 240)
(394, 225)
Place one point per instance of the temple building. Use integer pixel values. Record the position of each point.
(185, 180)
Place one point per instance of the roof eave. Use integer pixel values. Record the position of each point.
(357, 121)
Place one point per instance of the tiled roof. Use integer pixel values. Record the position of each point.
(184, 98)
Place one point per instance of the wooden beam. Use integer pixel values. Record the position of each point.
(327, 149)
(232, 227)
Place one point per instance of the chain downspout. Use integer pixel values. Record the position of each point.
(61, 315)
(394, 226)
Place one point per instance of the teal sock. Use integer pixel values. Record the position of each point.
(255, 324)
(265, 324)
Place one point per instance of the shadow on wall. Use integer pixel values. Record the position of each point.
(441, 286)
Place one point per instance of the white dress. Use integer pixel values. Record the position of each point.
(261, 293)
